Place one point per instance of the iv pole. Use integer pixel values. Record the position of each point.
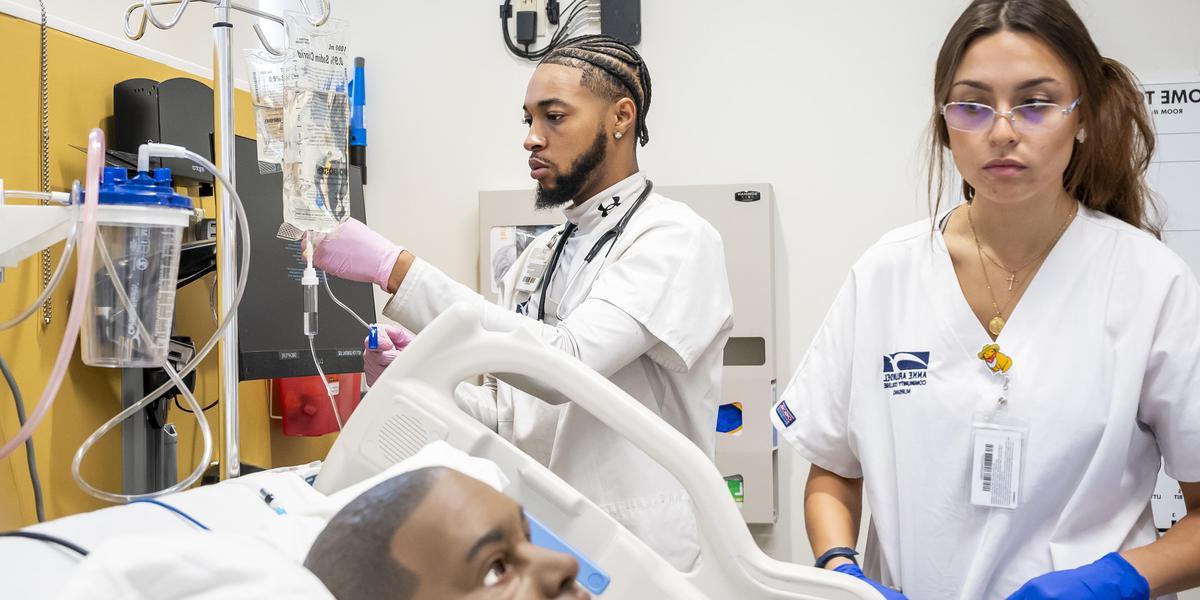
(226, 232)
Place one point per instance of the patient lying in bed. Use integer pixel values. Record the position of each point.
(435, 533)
(432, 526)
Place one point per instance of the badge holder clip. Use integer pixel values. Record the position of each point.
(535, 268)
(998, 441)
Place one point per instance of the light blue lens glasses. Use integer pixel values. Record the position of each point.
(1033, 117)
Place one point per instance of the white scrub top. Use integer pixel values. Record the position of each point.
(652, 315)
(1105, 346)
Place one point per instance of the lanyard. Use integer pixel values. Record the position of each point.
(609, 238)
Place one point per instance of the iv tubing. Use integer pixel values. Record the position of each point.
(243, 271)
(54, 281)
(309, 249)
(59, 197)
(328, 390)
(329, 290)
(311, 332)
(201, 420)
(83, 285)
(244, 228)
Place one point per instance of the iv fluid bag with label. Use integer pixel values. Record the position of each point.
(316, 125)
(266, 94)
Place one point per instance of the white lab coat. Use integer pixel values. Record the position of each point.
(1106, 371)
(653, 316)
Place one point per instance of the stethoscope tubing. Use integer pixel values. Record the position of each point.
(609, 238)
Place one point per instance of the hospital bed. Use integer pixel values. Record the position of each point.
(411, 406)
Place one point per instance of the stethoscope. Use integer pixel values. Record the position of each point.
(609, 238)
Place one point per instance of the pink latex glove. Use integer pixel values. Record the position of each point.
(356, 252)
(390, 345)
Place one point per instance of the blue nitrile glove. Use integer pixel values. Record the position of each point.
(1110, 578)
(852, 570)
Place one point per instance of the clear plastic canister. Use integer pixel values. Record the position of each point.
(140, 228)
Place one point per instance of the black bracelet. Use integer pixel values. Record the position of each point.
(833, 553)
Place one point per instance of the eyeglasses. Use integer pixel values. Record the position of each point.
(1033, 117)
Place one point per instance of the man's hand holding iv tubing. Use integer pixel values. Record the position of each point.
(356, 252)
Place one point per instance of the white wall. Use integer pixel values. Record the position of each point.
(826, 100)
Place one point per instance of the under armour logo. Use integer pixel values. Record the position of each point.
(605, 209)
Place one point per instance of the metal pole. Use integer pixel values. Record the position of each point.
(135, 449)
(227, 258)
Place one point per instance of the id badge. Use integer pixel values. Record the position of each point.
(998, 451)
(535, 269)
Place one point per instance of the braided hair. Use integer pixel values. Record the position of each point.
(611, 69)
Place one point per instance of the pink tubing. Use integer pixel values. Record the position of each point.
(83, 285)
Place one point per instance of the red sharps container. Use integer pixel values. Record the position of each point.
(305, 403)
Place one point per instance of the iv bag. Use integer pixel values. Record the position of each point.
(316, 126)
(266, 94)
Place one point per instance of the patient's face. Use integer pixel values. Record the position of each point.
(466, 540)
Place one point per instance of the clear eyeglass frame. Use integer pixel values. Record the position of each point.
(1033, 117)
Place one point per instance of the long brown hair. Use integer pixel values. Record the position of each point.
(1107, 171)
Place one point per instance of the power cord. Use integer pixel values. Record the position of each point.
(38, 501)
(577, 13)
(42, 537)
(189, 411)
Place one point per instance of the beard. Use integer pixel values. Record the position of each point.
(567, 186)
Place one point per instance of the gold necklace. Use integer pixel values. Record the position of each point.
(996, 324)
(1012, 273)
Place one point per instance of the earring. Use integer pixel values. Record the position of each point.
(1081, 136)
(618, 135)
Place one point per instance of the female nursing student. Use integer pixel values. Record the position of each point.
(1004, 385)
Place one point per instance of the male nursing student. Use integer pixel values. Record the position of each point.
(1004, 384)
(634, 285)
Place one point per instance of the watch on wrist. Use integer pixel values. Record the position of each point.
(833, 553)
